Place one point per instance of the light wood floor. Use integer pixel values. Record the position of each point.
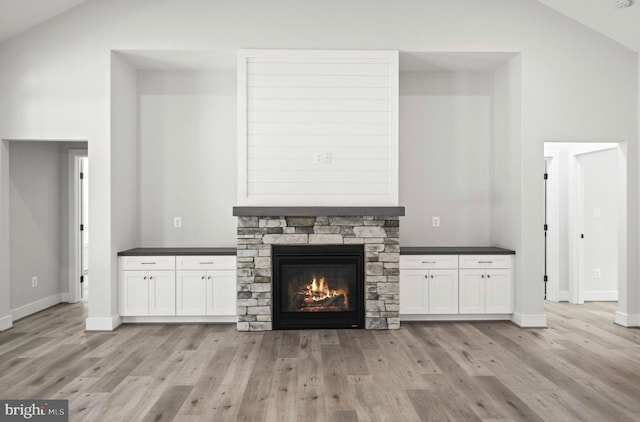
(581, 368)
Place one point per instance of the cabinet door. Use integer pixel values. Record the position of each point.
(498, 292)
(162, 293)
(472, 296)
(134, 293)
(191, 293)
(414, 292)
(443, 291)
(221, 292)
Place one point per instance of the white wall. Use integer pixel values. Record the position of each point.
(576, 84)
(445, 158)
(507, 212)
(187, 158)
(35, 235)
(124, 233)
(6, 319)
(293, 105)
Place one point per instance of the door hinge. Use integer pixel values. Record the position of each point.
(546, 176)
(581, 235)
(546, 227)
(81, 279)
(81, 175)
(81, 227)
(546, 278)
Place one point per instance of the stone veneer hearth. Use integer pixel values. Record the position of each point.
(379, 233)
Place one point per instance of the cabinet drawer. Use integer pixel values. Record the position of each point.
(485, 261)
(429, 261)
(206, 262)
(147, 262)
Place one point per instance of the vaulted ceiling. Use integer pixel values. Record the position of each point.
(619, 24)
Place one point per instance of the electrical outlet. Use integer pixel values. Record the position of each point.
(177, 222)
(322, 158)
(597, 273)
(34, 281)
(435, 221)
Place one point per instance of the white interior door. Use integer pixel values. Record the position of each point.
(598, 223)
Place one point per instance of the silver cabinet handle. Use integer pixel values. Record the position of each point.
(202, 277)
(485, 262)
(147, 263)
(482, 276)
(428, 262)
(209, 263)
(209, 278)
(488, 276)
(144, 278)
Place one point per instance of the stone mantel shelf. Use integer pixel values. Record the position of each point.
(265, 211)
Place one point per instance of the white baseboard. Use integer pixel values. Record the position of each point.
(627, 320)
(6, 322)
(601, 295)
(529, 321)
(456, 317)
(65, 297)
(33, 307)
(563, 296)
(103, 324)
(180, 319)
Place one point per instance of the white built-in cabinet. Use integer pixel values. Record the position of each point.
(455, 285)
(205, 285)
(177, 286)
(485, 284)
(429, 285)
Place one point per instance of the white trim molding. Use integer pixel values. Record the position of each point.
(456, 317)
(601, 295)
(178, 319)
(6, 322)
(33, 307)
(564, 296)
(529, 321)
(627, 320)
(103, 324)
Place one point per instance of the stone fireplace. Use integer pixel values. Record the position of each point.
(376, 229)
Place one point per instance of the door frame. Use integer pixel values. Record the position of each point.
(576, 282)
(553, 232)
(75, 219)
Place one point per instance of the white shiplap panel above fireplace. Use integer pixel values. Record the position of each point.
(317, 127)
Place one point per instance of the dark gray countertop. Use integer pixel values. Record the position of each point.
(177, 251)
(406, 250)
(454, 250)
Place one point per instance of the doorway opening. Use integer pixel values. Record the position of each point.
(585, 208)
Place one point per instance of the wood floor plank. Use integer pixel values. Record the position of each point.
(311, 392)
(260, 390)
(167, 406)
(583, 367)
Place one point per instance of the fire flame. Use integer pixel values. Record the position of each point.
(319, 290)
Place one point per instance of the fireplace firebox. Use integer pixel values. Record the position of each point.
(318, 286)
